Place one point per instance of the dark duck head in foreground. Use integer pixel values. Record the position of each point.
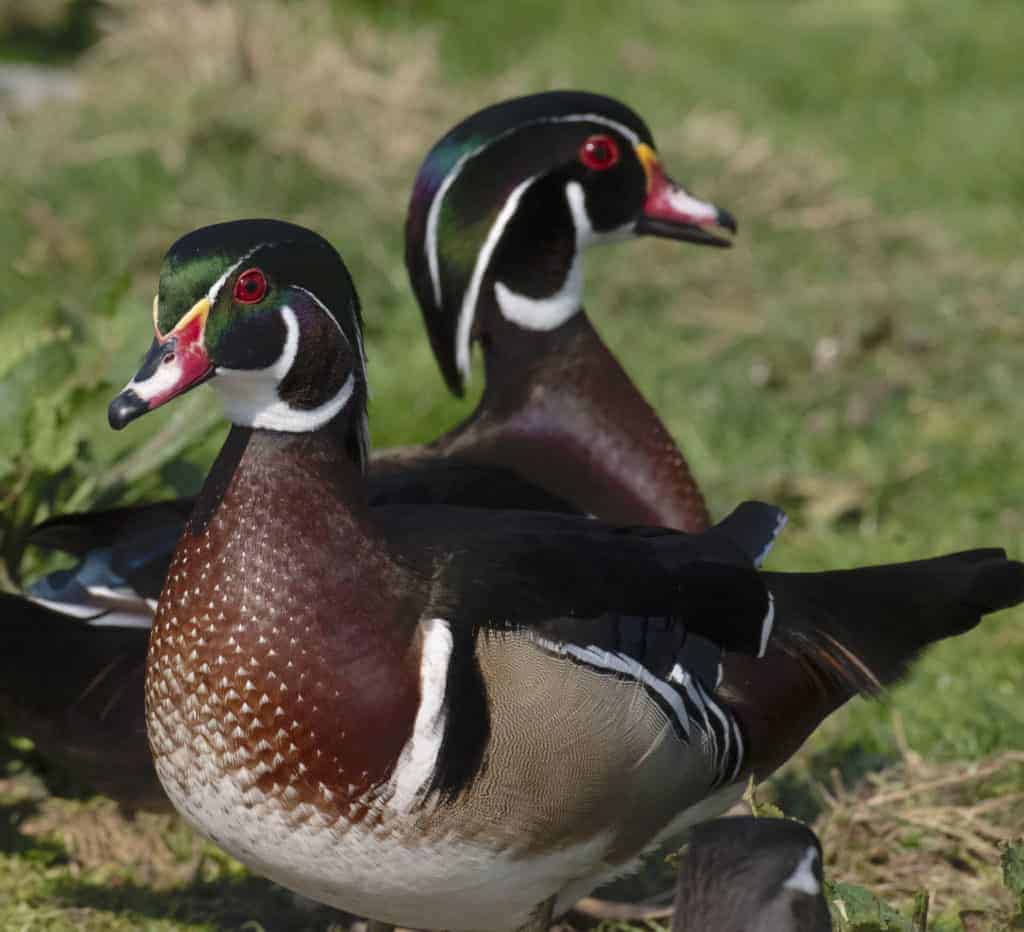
(372, 704)
(751, 875)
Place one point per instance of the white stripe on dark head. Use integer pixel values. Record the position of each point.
(434, 213)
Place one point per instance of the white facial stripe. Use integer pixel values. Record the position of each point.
(323, 307)
(364, 424)
(433, 217)
(434, 212)
(215, 288)
(165, 377)
(250, 395)
(483, 259)
(585, 233)
(803, 879)
(418, 760)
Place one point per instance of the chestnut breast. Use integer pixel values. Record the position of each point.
(282, 654)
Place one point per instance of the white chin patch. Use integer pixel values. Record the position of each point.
(802, 879)
(251, 395)
(543, 313)
(554, 310)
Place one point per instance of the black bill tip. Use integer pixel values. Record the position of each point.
(727, 221)
(125, 408)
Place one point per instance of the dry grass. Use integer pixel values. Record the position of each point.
(274, 77)
(921, 825)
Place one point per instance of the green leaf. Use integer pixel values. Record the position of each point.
(855, 909)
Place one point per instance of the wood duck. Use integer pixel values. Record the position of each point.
(447, 717)
(580, 167)
(751, 875)
(584, 170)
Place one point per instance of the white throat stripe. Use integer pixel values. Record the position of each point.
(250, 395)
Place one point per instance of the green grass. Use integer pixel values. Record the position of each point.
(855, 357)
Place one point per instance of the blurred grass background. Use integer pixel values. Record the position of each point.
(855, 357)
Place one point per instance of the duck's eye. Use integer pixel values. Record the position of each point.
(250, 286)
(599, 153)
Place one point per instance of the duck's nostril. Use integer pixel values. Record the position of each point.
(169, 358)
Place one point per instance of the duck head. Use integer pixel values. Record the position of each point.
(505, 204)
(268, 311)
(745, 874)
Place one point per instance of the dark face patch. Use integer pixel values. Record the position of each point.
(246, 339)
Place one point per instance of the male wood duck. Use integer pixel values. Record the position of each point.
(751, 875)
(580, 167)
(447, 717)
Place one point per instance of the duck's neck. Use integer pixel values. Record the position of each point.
(317, 465)
(560, 410)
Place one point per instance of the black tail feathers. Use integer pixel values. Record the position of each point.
(861, 628)
(751, 527)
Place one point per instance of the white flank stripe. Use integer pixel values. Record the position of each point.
(250, 395)
(803, 879)
(483, 259)
(621, 663)
(418, 760)
(729, 730)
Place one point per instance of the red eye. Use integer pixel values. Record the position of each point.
(599, 153)
(250, 286)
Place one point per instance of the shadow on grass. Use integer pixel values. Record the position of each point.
(246, 904)
(19, 757)
(45, 852)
